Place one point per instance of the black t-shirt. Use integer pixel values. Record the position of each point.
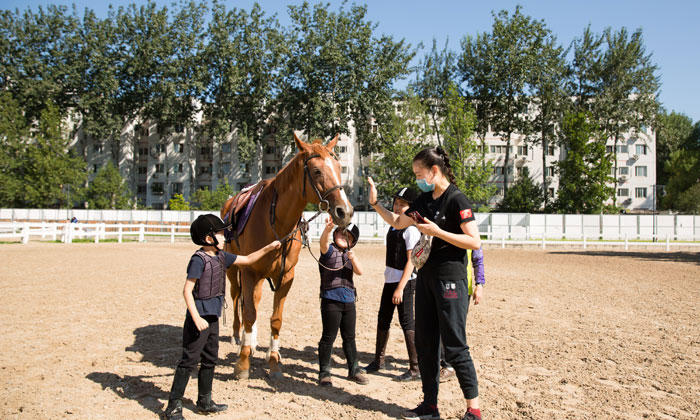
(446, 261)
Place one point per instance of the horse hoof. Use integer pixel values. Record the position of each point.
(241, 374)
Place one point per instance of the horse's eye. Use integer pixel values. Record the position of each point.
(317, 171)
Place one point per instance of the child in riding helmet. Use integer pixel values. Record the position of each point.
(204, 296)
(337, 265)
(399, 289)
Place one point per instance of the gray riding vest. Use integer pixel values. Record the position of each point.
(338, 278)
(212, 283)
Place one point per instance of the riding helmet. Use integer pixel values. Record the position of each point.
(351, 229)
(407, 194)
(206, 225)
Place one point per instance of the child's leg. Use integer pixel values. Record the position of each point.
(330, 317)
(205, 378)
(347, 332)
(192, 344)
(386, 312)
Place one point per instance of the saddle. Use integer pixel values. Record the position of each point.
(241, 207)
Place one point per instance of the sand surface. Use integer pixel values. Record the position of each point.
(93, 331)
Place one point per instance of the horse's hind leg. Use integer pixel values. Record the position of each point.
(251, 292)
(273, 353)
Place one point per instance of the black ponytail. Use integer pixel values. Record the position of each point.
(438, 157)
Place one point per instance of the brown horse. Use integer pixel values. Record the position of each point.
(312, 176)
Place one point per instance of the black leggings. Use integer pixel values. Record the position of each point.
(386, 307)
(337, 315)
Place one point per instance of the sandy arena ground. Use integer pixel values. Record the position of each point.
(92, 331)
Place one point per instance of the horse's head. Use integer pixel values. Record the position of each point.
(322, 183)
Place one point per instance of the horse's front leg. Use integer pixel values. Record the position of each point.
(273, 353)
(252, 292)
(235, 281)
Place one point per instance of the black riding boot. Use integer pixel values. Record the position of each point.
(378, 362)
(354, 372)
(174, 409)
(324, 364)
(412, 373)
(204, 402)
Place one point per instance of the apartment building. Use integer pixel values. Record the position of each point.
(157, 166)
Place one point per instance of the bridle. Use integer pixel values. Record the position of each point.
(322, 202)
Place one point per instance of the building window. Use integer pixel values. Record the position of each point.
(160, 148)
(98, 148)
(500, 191)
(245, 169)
(179, 147)
(179, 128)
(94, 168)
(641, 149)
(270, 170)
(270, 150)
(550, 192)
(498, 170)
(622, 148)
(141, 189)
(157, 188)
(205, 170)
(177, 187)
(159, 168)
(640, 192)
(608, 149)
(178, 168)
(226, 148)
(343, 169)
(226, 167)
(522, 150)
(142, 170)
(550, 171)
(624, 170)
(157, 206)
(143, 151)
(501, 149)
(550, 150)
(623, 192)
(341, 149)
(205, 151)
(640, 171)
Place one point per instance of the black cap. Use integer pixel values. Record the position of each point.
(205, 225)
(406, 194)
(353, 230)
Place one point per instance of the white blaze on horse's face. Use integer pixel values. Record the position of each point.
(329, 163)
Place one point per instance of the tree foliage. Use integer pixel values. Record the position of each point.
(178, 202)
(585, 171)
(108, 190)
(205, 199)
(525, 196)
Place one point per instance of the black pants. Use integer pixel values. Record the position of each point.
(198, 345)
(386, 307)
(337, 315)
(441, 311)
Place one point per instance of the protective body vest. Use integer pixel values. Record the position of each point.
(331, 279)
(396, 249)
(212, 282)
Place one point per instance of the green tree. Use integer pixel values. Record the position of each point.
(13, 133)
(672, 134)
(178, 203)
(51, 174)
(108, 190)
(401, 139)
(683, 169)
(689, 200)
(470, 169)
(525, 195)
(585, 171)
(205, 199)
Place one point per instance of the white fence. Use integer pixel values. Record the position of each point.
(498, 228)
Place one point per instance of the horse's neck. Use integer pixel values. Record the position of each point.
(290, 200)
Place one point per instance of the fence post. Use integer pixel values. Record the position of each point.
(544, 244)
(668, 243)
(119, 235)
(141, 232)
(627, 245)
(503, 240)
(25, 233)
(172, 233)
(54, 231)
(97, 233)
(584, 241)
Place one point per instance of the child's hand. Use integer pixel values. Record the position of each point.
(351, 255)
(329, 224)
(201, 323)
(273, 245)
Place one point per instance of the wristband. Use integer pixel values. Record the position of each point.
(374, 204)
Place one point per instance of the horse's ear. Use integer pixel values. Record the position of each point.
(331, 144)
(300, 143)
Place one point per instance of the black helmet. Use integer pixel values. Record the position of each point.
(407, 194)
(206, 225)
(351, 229)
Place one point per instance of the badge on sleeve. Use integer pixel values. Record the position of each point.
(466, 213)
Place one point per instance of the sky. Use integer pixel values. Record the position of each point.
(670, 28)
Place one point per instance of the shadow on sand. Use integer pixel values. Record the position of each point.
(683, 256)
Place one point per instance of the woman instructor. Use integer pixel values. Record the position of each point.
(442, 298)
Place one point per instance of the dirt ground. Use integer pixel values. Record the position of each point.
(92, 331)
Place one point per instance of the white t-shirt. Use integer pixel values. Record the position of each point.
(411, 236)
